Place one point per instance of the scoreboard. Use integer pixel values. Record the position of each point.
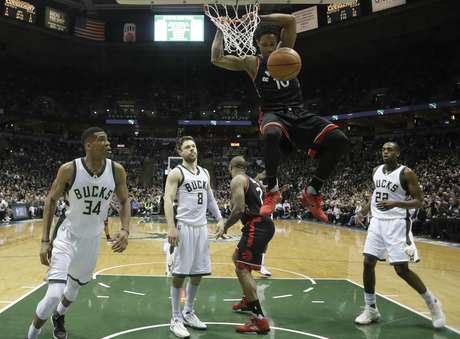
(56, 19)
(179, 28)
(20, 10)
(338, 12)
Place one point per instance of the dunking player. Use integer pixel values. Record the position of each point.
(90, 182)
(283, 119)
(389, 233)
(190, 183)
(257, 232)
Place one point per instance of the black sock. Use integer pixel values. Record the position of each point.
(256, 308)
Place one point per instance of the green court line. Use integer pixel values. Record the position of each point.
(91, 317)
(404, 306)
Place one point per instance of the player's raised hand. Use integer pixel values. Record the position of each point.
(120, 242)
(220, 230)
(173, 236)
(45, 253)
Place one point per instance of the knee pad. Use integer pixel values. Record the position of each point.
(51, 300)
(71, 289)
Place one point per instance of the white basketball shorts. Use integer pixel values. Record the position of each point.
(191, 256)
(73, 256)
(391, 238)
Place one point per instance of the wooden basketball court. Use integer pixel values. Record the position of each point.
(298, 251)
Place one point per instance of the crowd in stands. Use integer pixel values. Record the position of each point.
(29, 164)
(169, 93)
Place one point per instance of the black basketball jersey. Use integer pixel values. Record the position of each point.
(253, 198)
(276, 95)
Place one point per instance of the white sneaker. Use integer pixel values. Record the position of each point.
(437, 315)
(265, 272)
(191, 320)
(177, 327)
(369, 315)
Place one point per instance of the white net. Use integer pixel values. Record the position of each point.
(237, 23)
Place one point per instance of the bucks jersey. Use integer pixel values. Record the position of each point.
(89, 198)
(276, 95)
(253, 196)
(192, 198)
(388, 187)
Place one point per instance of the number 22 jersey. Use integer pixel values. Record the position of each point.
(388, 187)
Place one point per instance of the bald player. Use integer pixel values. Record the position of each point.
(256, 234)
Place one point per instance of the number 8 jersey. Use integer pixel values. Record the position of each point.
(89, 198)
(388, 187)
(192, 197)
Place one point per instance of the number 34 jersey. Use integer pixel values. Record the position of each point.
(192, 197)
(89, 198)
(388, 187)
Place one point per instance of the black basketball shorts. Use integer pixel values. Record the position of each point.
(301, 129)
(257, 233)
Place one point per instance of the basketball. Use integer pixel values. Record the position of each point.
(284, 64)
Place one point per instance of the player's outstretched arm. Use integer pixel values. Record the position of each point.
(63, 178)
(231, 62)
(121, 239)
(288, 27)
(172, 182)
(238, 201)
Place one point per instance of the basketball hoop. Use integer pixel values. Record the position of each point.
(238, 30)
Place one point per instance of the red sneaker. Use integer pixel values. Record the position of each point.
(270, 201)
(256, 325)
(313, 203)
(242, 306)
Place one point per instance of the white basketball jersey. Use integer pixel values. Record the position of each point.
(192, 197)
(388, 187)
(89, 199)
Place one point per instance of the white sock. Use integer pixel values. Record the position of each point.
(33, 332)
(61, 309)
(370, 299)
(191, 293)
(263, 259)
(428, 297)
(175, 302)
